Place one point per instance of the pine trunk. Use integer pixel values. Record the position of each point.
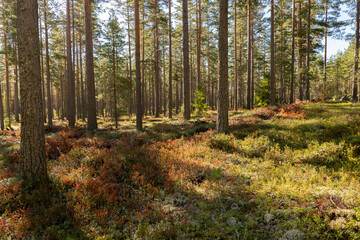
(248, 95)
(170, 65)
(48, 78)
(272, 60)
(292, 77)
(138, 68)
(70, 94)
(90, 79)
(186, 80)
(32, 148)
(223, 85)
(356, 57)
(307, 84)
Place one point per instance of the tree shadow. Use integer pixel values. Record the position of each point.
(35, 209)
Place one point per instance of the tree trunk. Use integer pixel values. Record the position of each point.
(198, 46)
(83, 104)
(292, 77)
(241, 83)
(78, 96)
(170, 65)
(307, 86)
(130, 70)
(223, 85)
(186, 60)
(252, 61)
(48, 77)
(70, 94)
(248, 100)
(32, 148)
(208, 65)
(164, 77)
(42, 69)
(356, 57)
(235, 60)
(62, 90)
(157, 64)
(114, 80)
(325, 48)
(143, 85)
(272, 53)
(138, 69)
(16, 96)
(90, 79)
(300, 75)
(7, 72)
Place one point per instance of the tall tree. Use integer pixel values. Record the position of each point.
(90, 79)
(325, 45)
(32, 148)
(16, 95)
(138, 69)
(248, 95)
(130, 65)
(308, 42)
(272, 53)
(235, 59)
(223, 85)
(292, 77)
(170, 65)
(300, 54)
(70, 95)
(157, 64)
(8, 110)
(356, 54)
(198, 45)
(48, 78)
(186, 59)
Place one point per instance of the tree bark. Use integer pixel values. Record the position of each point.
(272, 60)
(70, 96)
(32, 148)
(248, 100)
(138, 68)
(170, 65)
(223, 85)
(48, 77)
(90, 79)
(83, 104)
(186, 60)
(292, 77)
(325, 48)
(300, 54)
(235, 60)
(130, 65)
(198, 46)
(143, 84)
(42, 68)
(7, 71)
(308, 42)
(356, 57)
(16, 95)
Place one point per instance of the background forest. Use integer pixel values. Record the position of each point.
(301, 69)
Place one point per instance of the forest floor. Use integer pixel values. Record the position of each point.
(281, 173)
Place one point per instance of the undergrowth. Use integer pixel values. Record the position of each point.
(280, 172)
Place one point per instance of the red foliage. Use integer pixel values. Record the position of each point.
(292, 111)
(264, 112)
